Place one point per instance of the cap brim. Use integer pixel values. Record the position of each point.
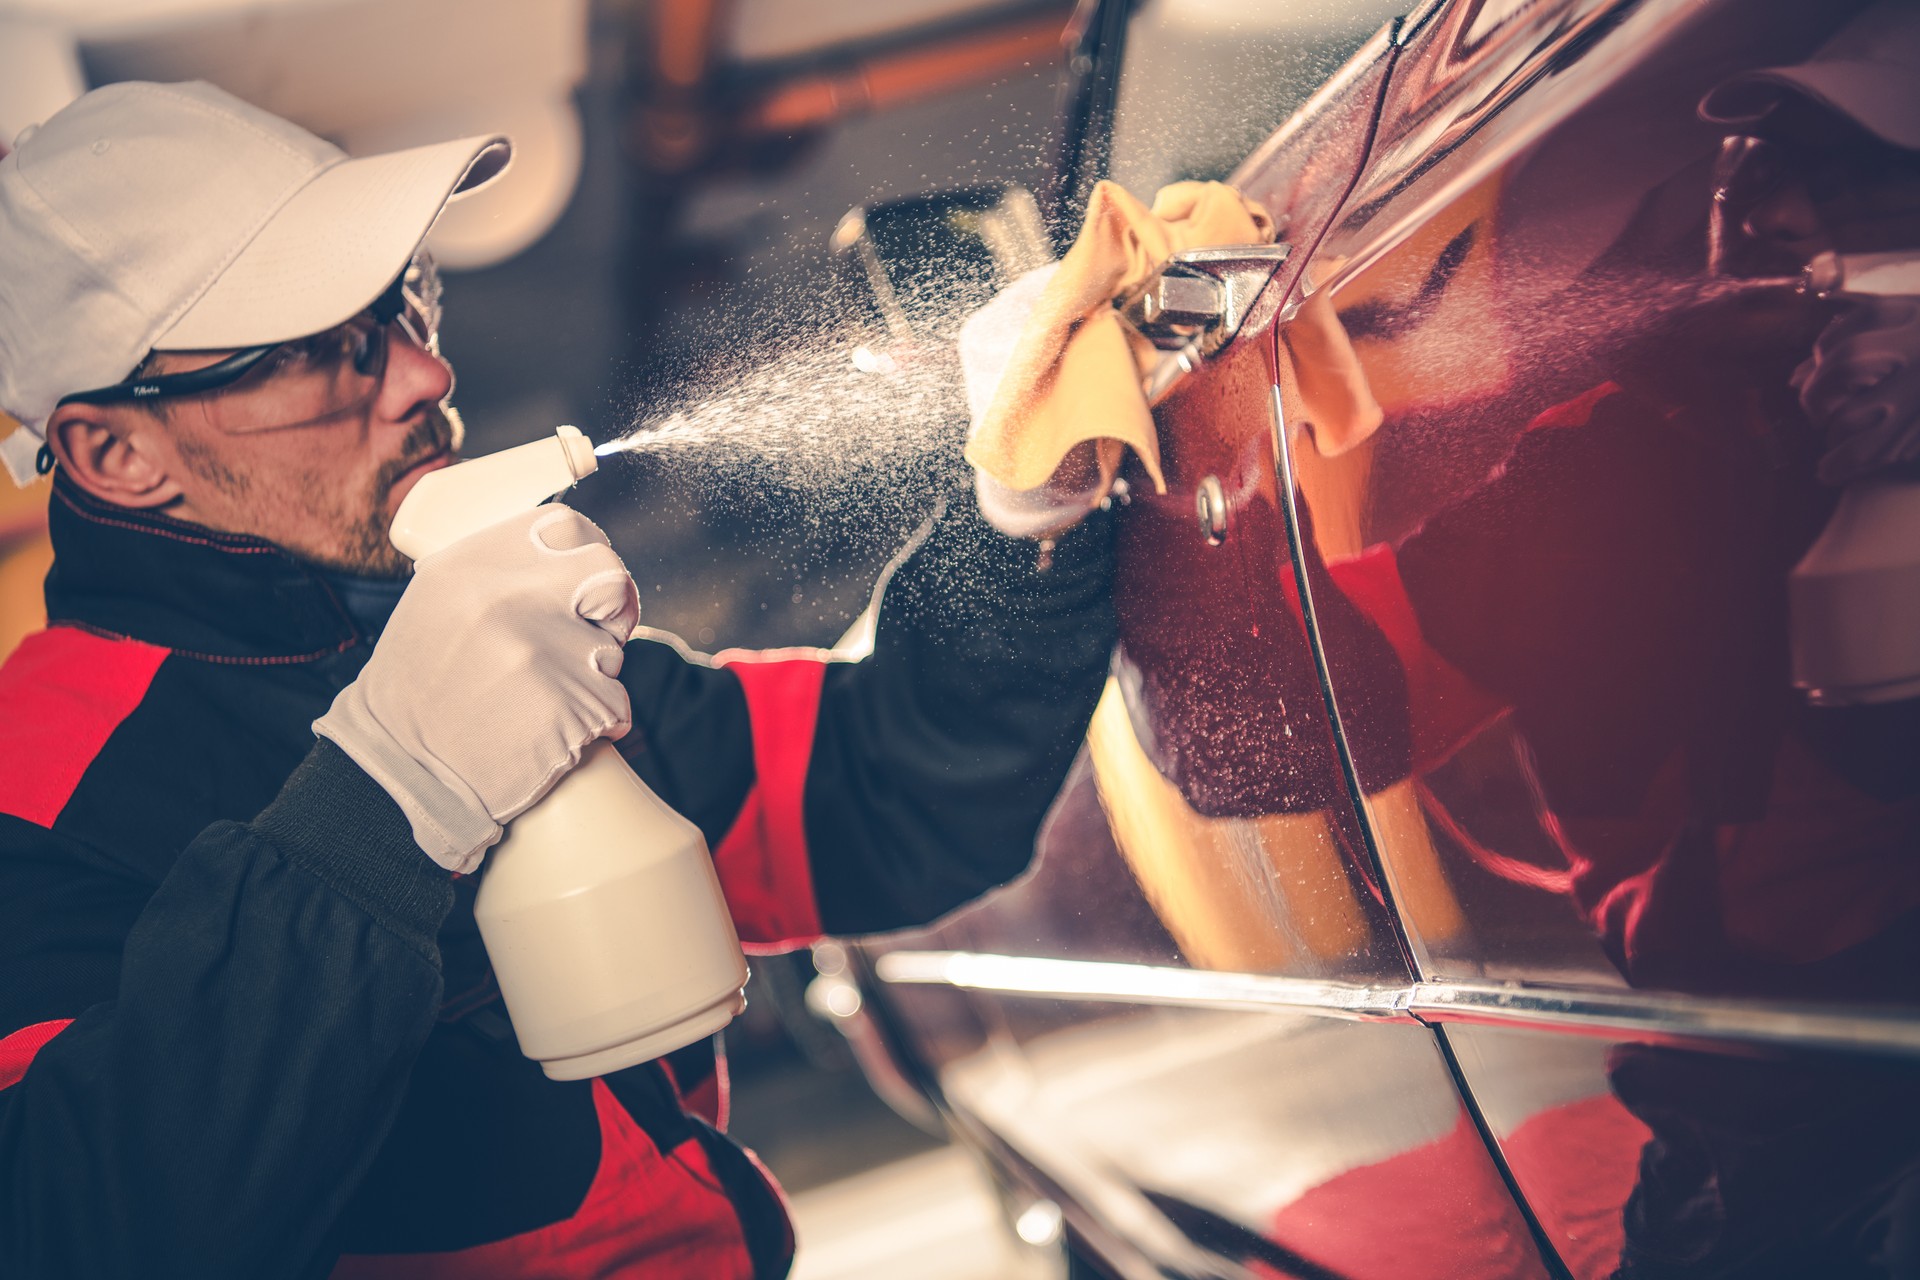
(524, 204)
(334, 246)
(1877, 96)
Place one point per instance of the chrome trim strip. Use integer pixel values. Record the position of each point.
(1637, 1015)
(1089, 979)
(1641, 1014)
(1141, 984)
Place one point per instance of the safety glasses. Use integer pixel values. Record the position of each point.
(305, 380)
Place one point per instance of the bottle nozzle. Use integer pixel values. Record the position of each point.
(582, 458)
(1863, 275)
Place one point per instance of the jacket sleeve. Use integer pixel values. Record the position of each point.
(198, 1093)
(855, 797)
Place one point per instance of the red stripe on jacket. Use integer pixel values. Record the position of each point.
(1446, 708)
(17, 1050)
(763, 865)
(649, 1215)
(62, 694)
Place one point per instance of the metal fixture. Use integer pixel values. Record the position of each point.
(1862, 275)
(1179, 302)
(1203, 294)
(1197, 304)
(1210, 504)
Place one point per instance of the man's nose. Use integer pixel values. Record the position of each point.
(414, 377)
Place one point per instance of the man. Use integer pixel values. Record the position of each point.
(246, 1024)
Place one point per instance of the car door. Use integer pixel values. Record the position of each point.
(1661, 907)
(1187, 1023)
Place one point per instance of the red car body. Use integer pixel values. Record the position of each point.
(1455, 883)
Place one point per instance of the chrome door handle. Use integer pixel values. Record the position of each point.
(1197, 304)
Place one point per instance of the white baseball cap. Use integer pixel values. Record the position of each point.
(1868, 71)
(176, 217)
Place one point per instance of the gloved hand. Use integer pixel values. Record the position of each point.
(1861, 388)
(987, 343)
(494, 674)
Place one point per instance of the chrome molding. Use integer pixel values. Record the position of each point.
(1641, 1015)
(1633, 1015)
(1141, 984)
(1237, 274)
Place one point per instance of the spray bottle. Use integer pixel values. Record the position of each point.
(600, 908)
(1854, 598)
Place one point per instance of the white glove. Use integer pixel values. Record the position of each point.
(494, 674)
(1861, 387)
(987, 342)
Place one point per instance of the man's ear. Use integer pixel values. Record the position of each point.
(111, 457)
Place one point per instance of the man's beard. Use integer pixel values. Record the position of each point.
(366, 549)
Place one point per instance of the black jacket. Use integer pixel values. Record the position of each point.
(247, 1028)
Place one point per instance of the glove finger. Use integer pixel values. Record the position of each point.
(1876, 431)
(1802, 375)
(1849, 460)
(1863, 316)
(1842, 380)
(619, 708)
(610, 601)
(1892, 402)
(595, 710)
(607, 659)
(558, 527)
(492, 544)
(1864, 347)
(1895, 344)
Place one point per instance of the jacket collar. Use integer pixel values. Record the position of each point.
(224, 597)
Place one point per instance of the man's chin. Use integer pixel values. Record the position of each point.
(366, 550)
(369, 552)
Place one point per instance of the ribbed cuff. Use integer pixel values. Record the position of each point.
(336, 823)
(450, 824)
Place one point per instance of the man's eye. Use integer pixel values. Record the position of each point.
(284, 359)
(363, 351)
(324, 350)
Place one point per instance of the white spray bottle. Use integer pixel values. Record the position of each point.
(600, 909)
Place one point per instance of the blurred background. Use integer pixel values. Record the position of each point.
(679, 168)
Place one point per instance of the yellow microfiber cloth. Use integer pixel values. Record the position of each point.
(1322, 379)
(1076, 374)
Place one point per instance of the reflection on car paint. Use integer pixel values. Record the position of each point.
(1580, 513)
(1305, 1189)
